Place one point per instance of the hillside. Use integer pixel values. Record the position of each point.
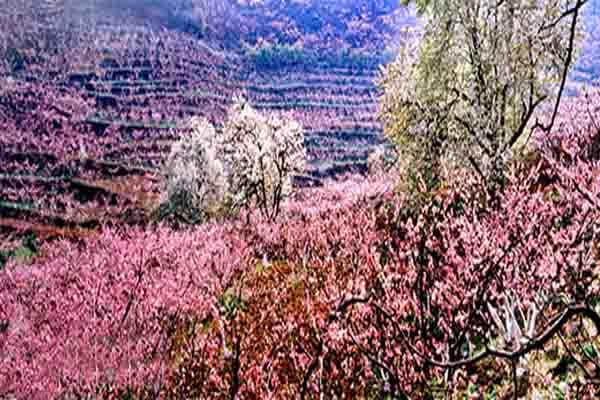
(453, 282)
(91, 91)
(122, 57)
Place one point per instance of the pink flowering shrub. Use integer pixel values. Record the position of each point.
(283, 337)
(96, 314)
(476, 278)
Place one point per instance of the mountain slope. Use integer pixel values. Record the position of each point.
(91, 90)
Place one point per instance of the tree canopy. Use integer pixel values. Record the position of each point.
(478, 80)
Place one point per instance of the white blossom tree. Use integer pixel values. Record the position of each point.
(195, 175)
(250, 163)
(475, 84)
(263, 153)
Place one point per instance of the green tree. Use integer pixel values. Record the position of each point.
(477, 80)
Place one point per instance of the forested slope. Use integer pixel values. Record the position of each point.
(385, 286)
(91, 91)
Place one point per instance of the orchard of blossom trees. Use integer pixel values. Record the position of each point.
(90, 93)
(354, 291)
(469, 272)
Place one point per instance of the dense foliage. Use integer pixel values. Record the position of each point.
(473, 84)
(324, 26)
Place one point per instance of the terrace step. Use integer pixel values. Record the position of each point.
(27, 212)
(336, 169)
(372, 137)
(43, 231)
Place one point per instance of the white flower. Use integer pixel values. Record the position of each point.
(263, 152)
(252, 162)
(195, 175)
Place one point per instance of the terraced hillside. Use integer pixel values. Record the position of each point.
(89, 106)
(92, 91)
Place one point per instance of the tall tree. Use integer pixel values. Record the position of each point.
(476, 84)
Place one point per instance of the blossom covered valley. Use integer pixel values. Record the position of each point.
(232, 200)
